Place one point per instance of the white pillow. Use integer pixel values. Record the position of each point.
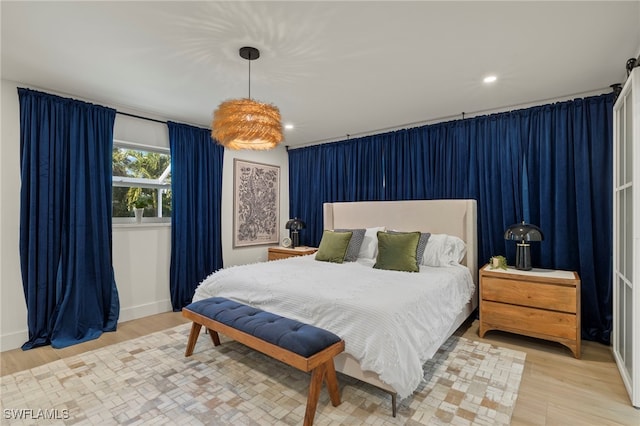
(369, 247)
(443, 250)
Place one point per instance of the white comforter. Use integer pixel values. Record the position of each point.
(392, 322)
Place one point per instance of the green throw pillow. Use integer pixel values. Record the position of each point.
(333, 246)
(397, 252)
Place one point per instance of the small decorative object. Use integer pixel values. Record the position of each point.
(498, 262)
(294, 226)
(245, 123)
(286, 242)
(139, 205)
(138, 213)
(256, 203)
(523, 233)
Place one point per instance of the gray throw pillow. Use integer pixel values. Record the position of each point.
(357, 237)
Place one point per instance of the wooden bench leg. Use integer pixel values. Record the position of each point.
(214, 337)
(193, 338)
(324, 372)
(315, 385)
(332, 383)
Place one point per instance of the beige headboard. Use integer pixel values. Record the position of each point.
(453, 217)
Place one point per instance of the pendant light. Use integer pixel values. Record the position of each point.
(245, 123)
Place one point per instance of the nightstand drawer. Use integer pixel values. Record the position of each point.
(531, 321)
(538, 295)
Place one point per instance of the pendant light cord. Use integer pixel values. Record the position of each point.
(250, 54)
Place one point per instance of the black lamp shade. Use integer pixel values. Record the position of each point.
(294, 225)
(522, 233)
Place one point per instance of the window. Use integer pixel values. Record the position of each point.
(141, 178)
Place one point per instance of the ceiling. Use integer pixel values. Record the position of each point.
(333, 68)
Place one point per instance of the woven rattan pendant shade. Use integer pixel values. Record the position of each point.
(245, 123)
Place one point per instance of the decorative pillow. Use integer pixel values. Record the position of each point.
(369, 247)
(443, 250)
(422, 244)
(397, 252)
(354, 245)
(333, 246)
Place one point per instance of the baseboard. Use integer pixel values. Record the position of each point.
(16, 339)
(13, 340)
(135, 312)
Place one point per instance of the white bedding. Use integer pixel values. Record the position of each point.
(391, 322)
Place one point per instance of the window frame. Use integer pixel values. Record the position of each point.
(127, 182)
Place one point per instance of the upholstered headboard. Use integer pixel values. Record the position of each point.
(453, 217)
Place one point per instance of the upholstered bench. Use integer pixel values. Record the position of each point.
(299, 345)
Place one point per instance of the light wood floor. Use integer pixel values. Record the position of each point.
(556, 388)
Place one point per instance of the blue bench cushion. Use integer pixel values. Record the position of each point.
(302, 339)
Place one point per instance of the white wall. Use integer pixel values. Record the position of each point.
(13, 310)
(141, 259)
(276, 157)
(141, 253)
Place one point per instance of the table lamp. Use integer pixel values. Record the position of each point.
(294, 225)
(523, 233)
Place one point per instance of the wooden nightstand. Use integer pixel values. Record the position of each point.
(284, 252)
(541, 303)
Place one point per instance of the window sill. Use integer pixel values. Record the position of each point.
(142, 225)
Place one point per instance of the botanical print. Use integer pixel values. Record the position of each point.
(256, 203)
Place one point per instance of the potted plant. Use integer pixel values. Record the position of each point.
(139, 205)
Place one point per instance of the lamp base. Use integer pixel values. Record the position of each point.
(295, 239)
(523, 257)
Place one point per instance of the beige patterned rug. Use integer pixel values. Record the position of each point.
(149, 381)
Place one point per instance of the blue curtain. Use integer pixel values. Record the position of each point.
(345, 171)
(459, 159)
(65, 219)
(196, 185)
(569, 161)
(548, 165)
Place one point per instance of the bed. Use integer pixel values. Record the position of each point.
(387, 341)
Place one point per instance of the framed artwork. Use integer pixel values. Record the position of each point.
(256, 203)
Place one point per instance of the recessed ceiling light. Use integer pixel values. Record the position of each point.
(490, 79)
(288, 126)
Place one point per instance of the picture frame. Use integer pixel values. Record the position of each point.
(256, 203)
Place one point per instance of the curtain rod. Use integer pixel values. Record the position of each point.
(445, 118)
(156, 120)
(141, 117)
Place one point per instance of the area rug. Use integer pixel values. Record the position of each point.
(149, 381)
